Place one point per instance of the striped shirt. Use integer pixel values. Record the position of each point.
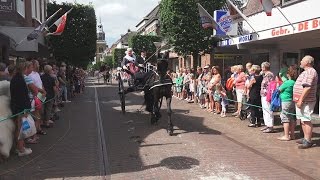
(28, 81)
(308, 78)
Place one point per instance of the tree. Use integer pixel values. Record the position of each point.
(109, 61)
(180, 26)
(118, 55)
(141, 42)
(77, 44)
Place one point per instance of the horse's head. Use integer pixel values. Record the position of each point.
(162, 67)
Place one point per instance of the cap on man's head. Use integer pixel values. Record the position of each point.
(206, 67)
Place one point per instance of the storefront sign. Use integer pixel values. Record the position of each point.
(300, 27)
(245, 38)
(224, 20)
(6, 6)
(304, 26)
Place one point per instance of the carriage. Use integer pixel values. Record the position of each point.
(155, 83)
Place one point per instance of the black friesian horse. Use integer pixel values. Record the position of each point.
(156, 88)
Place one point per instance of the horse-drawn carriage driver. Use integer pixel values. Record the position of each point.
(134, 66)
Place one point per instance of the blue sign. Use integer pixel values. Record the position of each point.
(224, 20)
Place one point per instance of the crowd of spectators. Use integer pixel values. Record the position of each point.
(39, 88)
(258, 89)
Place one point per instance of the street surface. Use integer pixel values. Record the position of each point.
(94, 140)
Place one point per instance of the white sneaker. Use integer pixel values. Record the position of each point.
(68, 101)
(26, 152)
(57, 110)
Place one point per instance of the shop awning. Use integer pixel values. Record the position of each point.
(18, 41)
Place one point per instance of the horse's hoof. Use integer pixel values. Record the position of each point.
(153, 120)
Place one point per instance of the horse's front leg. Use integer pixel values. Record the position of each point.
(155, 111)
(169, 112)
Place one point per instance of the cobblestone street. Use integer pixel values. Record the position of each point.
(204, 146)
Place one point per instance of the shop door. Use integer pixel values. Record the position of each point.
(315, 53)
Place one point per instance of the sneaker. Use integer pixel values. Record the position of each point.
(57, 110)
(306, 144)
(26, 152)
(300, 141)
(68, 101)
(223, 115)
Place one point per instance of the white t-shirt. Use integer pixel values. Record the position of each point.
(36, 79)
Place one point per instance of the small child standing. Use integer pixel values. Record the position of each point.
(223, 97)
(191, 88)
(179, 81)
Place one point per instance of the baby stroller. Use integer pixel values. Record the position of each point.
(244, 108)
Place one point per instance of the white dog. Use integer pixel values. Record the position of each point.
(7, 127)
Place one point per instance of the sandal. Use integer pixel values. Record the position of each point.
(268, 130)
(283, 138)
(41, 132)
(31, 141)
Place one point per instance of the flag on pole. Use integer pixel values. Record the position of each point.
(40, 29)
(207, 20)
(267, 6)
(61, 24)
(235, 13)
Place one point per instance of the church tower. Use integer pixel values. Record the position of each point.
(101, 43)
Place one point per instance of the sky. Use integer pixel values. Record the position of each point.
(117, 16)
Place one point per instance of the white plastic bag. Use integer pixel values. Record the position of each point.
(28, 128)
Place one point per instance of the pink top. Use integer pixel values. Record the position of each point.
(240, 81)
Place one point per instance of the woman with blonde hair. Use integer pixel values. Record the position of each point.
(267, 113)
(240, 87)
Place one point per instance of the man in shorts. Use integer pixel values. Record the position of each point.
(304, 95)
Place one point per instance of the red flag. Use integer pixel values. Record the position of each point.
(61, 24)
(267, 6)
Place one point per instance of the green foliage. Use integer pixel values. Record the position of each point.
(140, 42)
(109, 61)
(180, 25)
(97, 65)
(77, 44)
(117, 56)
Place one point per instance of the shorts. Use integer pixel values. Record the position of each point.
(239, 93)
(304, 113)
(288, 112)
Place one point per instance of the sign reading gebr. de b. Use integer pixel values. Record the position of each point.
(6, 6)
(224, 20)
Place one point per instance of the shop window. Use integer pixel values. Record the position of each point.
(290, 58)
(20, 7)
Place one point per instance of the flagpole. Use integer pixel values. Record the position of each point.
(285, 16)
(60, 17)
(243, 16)
(209, 15)
(49, 18)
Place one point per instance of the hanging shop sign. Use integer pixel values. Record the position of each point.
(224, 20)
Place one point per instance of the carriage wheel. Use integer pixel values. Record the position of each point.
(121, 94)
